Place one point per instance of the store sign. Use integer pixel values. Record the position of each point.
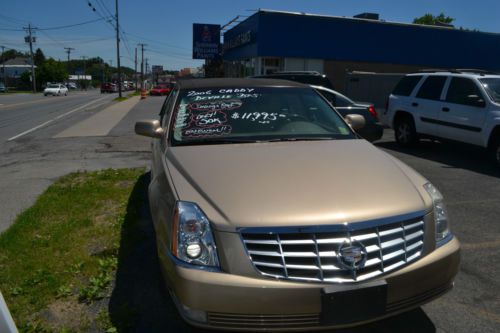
(206, 41)
(157, 69)
(244, 38)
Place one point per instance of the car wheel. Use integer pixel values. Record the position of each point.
(66, 94)
(405, 133)
(495, 151)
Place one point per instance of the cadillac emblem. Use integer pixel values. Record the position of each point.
(352, 255)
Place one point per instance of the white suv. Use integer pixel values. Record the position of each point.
(458, 105)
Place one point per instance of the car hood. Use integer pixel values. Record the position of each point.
(294, 183)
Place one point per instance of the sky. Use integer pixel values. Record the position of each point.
(166, 25)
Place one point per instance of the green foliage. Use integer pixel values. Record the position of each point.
(11, 54)
(65, 245)
(51, 71)
(25, 81)
(429, 19)
(39, 57)
(98, 284)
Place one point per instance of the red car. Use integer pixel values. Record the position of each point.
(161, 90)
(109, 88)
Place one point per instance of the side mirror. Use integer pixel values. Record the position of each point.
(356, 121)
(475, 100)
(149, 128)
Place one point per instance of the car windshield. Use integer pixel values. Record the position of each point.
(53, 86)
(229, 115)
(492, 87)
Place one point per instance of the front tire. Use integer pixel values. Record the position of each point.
(405, 132)
(495, 151)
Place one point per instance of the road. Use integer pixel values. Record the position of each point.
(32, 161)
(33, 155)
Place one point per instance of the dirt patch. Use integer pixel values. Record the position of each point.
(124, 184)
(67, 314)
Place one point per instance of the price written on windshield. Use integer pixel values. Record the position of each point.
(261, 117)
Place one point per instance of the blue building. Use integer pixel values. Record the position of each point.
(270, 41)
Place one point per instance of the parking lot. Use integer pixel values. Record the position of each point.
(471, 186)
(468, 180)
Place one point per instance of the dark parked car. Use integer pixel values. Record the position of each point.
(308, 77)
(109, 88)
(373, 129)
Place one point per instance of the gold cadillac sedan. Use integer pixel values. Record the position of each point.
(272, 214)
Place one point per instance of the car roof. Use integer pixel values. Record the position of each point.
(468, 74)
(236, 82)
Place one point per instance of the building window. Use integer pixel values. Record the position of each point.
(271, 65)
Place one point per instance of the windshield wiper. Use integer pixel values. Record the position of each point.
(215, 141)
(302, 138)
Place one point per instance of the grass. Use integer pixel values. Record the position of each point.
(124, 98)
(62, 252)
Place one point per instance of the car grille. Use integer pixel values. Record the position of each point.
(314, 256)
(257, 322)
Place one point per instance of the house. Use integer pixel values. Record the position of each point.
(14, 68)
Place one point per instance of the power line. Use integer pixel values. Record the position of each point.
(74, 25)
(13, 19)
(105, 8)
(6, 29)
(157, 42)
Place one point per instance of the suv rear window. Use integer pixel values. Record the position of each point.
(406, 85)
(432, 88)
(460, 89)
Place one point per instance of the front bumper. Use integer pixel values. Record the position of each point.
(234, 302)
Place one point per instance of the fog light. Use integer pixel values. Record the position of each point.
(193, 250)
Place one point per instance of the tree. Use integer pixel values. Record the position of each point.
(429, 19)
(11, 54)
(51, 71)
(39, 57)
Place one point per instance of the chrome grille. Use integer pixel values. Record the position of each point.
(313, 256)
(250, 321)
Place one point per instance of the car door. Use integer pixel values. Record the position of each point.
(426, 104)
(160, 194)
(463, 112)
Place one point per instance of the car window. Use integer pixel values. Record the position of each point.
(492, 87)
(331, 97)
(336, 100)
(343, 101)
(461, 89)
(167, 107)
(406, 85)
(263, 113)
(432, 88)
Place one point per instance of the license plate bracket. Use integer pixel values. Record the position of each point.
(344, 304)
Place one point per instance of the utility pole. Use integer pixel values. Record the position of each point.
(30, 40)
(118, 51)
(146, 71)
(135, 70)
(68, 51)
(142, 64)
(3, 63)
(84, 73)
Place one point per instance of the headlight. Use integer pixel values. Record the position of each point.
(440, 214)
(192, 238)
